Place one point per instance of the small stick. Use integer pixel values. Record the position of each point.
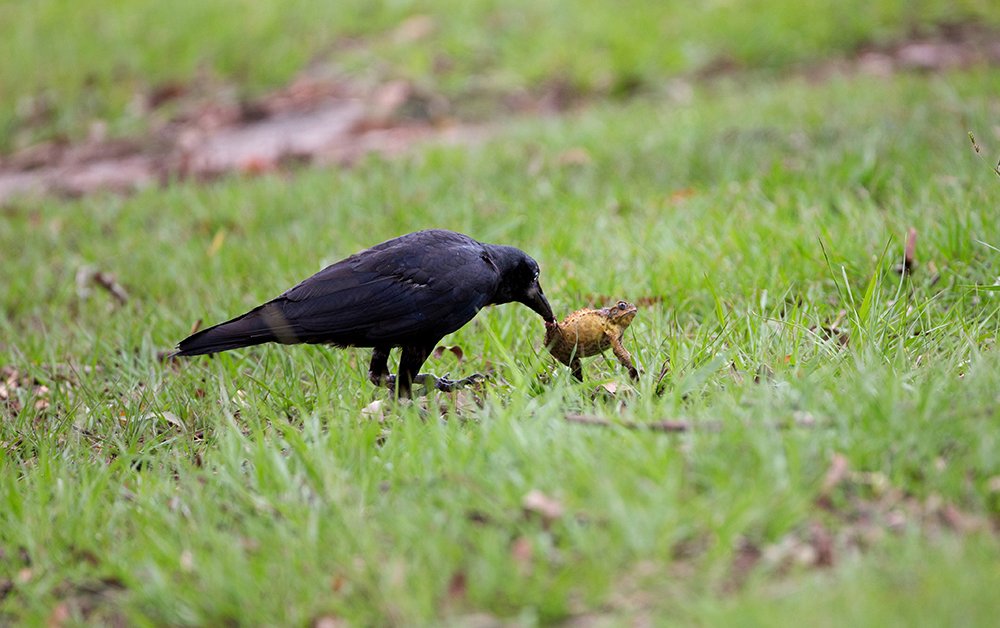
(669, 426)
(909, 254)
(673, 426)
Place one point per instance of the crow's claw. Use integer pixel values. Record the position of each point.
(448, 385)
(389, 381)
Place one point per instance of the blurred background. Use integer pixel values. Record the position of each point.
(85, 69)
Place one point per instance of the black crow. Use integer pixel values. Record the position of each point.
(407, 292)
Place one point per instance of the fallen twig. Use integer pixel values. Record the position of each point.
(673, 426)
(87, 276)
(670, 426)
(909, 254)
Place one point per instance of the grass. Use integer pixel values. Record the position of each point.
(250, 488)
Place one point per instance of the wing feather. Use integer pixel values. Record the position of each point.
(426, 284)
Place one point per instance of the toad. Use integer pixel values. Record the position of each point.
(590, 332)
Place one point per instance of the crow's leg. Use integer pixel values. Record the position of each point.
(378, 369)
(412, 358)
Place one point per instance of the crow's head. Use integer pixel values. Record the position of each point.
(519, 280)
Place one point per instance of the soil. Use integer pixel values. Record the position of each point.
(332, 122)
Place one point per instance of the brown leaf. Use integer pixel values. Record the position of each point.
(60, 615)
(375, 411)
(680, 195)
(165, 92)
(993, 484)
(748, 554)
(217, 241)
(328, 621)
(538, 503)
(609, 388)
(413, 29)
(255, 165)
(456, 350)
(10, 375)
(457, 586)
(961, 521)
(574, 157)
(522, 551)
(822, 542)
(478, 517)
(465, 403)
(836, 474)
(387, 101)
(172, 419)
(649, 300)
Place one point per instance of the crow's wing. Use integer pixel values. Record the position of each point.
(425, 284)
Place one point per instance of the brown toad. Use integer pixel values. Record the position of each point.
(590, 332)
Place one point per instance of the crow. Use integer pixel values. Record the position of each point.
(406, 292)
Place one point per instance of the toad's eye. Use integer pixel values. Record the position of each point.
(622, 305)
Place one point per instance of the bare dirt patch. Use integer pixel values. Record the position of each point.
(329, 121)
(311, 121)
(948, 47)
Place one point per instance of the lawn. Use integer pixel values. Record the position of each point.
(842, 464)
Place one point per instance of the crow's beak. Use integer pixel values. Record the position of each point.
(535, 299)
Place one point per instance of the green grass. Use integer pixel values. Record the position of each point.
(249, 488)
(72, 64)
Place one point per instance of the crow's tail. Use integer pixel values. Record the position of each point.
(262, 324)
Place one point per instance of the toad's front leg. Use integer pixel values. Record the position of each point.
(623, 356)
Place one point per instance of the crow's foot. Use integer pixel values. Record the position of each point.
(429, 380)
(447, 385)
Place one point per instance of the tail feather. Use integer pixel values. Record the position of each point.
(252, 328)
